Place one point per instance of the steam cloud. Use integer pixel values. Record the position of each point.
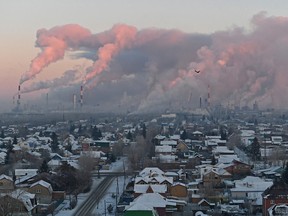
(240, 66)
(68, 78)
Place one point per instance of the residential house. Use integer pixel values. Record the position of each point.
(140, 210)
(179, 190)
(182, 147)
(6, 184)
(23, 176)
(238, 168)
(18, 202)
(156, 201)
(278, 210)
(3, 156)
(43, 191)
(150, 188)
(172, 143)
(250, 190)
(276, 194)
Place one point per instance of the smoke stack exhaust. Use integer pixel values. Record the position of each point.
(81, 96)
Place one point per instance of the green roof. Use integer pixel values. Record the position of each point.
(139, 213)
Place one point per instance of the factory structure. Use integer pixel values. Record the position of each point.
(75, 105)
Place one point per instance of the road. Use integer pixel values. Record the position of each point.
(89, 204)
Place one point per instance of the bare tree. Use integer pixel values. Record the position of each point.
(83, 175)
(278, 156)
(234, 140)
(137, 152)
(118, 148)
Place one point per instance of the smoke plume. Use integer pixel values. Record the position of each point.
(68, 78)
(240, 65)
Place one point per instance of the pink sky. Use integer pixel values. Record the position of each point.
(21, 20)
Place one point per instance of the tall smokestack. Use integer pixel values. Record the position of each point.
(47, 101)
(19, 96)
(81, 96)
(200, 103)
(74, 101)
(208, 96)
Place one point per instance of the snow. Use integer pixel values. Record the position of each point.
(63, 209)
(110, 197)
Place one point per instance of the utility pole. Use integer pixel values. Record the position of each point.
(117, 192)
(105, 206)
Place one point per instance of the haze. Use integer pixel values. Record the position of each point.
(239, 49)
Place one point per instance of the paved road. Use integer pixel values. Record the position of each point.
(89, 204)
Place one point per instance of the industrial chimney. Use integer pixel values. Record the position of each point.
(81, 96)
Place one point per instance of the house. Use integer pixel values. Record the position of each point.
(18, 202)
(179, 190)
(149, 188)
(238, 168)
(141, 210)
(250, 189)
(211, 179)
(2, 157)
(172, 143)
(156, 201)
(6, 184)
(23, 176)
(151, 171)
(278, 210)
(182, 147)
(163, 150)
(276, 194)
(25, 172)
(43, 191)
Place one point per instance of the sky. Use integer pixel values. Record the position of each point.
(20, 21)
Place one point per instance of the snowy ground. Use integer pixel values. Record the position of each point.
(63, 209)
(116, 188)
(118, 166)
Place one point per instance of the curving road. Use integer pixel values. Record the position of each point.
(89, 204)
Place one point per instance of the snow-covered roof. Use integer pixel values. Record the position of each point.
(139, 207)
(24, 178)
(222, 150)
(251, 184)
(24, 196)
(169, 173)
(151, 171)
(179, 183)
(156, 179)
(93, 154)
(142, 188)
(24, 172)
(160, 137)
(227, 158)
(161, 149)
(53, 162)
(168, 142)
(154, 200)
(3, 176)
(175, 137)
(44, 184)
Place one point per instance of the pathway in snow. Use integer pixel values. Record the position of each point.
(118, 166)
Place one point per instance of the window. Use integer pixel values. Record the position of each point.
(271, 201)
(38, 190)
